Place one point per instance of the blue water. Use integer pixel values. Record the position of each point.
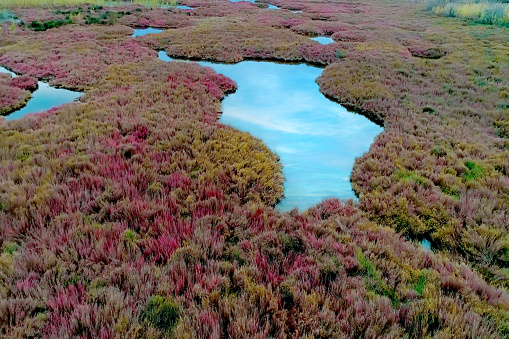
(5, 70)
(44, 98)
(185, 7)
(316, 139)
(164, 57)
(145, 31)
(323, 40)
(426, 244)
(254, 2)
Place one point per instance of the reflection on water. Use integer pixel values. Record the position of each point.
(43, 99)
(316, 139)
(145, 31)
(324, 40)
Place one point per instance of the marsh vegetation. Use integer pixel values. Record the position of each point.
(136, 213)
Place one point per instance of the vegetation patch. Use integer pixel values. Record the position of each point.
(137, 192)
(412, 176)
(161, 312)
(474, 171)
(492, 12)
(16, 92)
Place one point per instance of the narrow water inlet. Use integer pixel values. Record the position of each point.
(145, 31)
(43, 99)
(257, 2)
(316, 139)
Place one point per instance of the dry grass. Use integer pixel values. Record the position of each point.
(483, 12)
(43, 3)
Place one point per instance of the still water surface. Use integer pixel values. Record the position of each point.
(316, 139)
(324, 40)
(44, 98)
(255, 2)
(145, 31)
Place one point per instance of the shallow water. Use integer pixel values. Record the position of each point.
(426, 244)
(324, 40)
(43, 99)
(316, 139)
(145, 31)
(254, 2)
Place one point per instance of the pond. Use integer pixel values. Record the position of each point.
(43, 99)
(426, 244)
(324, 40)
(316, 139)
(145, 31)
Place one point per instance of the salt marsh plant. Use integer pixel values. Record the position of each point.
(136, 202)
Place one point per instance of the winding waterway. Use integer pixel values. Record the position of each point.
(316, 139)
(43, 99)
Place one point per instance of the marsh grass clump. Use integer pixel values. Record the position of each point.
(86, 14)
(10, 247)
(484, 12)
(474, 171)
(229, 40)
(64, 69)
(42, 26)
(502, 127)
(16, 92)
(412, 176)
(161, 312)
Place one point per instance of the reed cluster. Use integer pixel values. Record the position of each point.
(485, 12)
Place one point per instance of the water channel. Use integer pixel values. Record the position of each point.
(324, 40)
(43, 99)
(256, 2)
(316, 139)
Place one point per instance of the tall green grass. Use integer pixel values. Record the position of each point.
(42, 3)
(486, 12)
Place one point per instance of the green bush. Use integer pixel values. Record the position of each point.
(474, 171)
(162, 313)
